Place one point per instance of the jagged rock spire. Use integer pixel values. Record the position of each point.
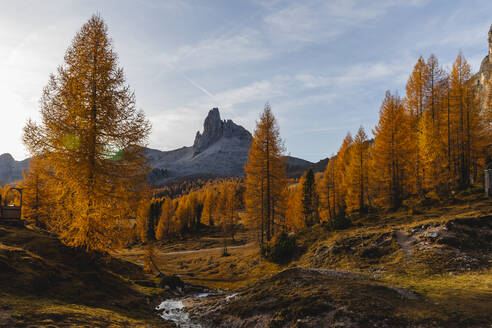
(214, 129)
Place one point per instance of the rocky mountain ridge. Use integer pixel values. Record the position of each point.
(221, 150)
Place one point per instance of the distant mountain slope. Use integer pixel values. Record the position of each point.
(10, 169)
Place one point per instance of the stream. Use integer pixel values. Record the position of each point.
(174, 310)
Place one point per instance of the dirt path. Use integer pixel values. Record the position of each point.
(207, 249)
(405, 241)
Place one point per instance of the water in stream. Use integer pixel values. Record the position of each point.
(174, 310)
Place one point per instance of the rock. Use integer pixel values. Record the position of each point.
(214, 129)
(432, 234)
(173, 282)
(484, 75)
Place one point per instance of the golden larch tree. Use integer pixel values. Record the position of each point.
(415, 104)
(167, 221)
(91, 136)
(390, 155)
(466, 126)
(358, 173)
(432, 128)
(266, 182)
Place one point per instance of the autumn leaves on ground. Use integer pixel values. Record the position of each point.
(395, 232)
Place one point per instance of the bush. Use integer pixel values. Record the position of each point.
(283, 249)
(338, 223)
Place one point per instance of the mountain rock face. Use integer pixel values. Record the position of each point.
(214, 129)
(220, 151)
(484, 75)
(10, 169)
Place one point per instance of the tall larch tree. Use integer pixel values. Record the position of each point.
(309, 199)
(415, 104)
(167, 225)
(358, 173)
(341, 165)
(38, 200)
(209, 206)
(432, 127)
(466, 127)
(329, 191)
(293, 214)
(91, 135)
(266, 181)
(390, 155)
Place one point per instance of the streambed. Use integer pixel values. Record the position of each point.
(174, 310)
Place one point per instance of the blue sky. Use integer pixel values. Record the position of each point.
(324, 66)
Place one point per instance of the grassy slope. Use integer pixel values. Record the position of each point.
(44, 283)
(454, 280)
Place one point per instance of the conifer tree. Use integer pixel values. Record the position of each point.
(309, 199)
(166, 226)
(91, 136)
(358, 173)
(342, 164)
(432, 141)
(266, 180)
(209, 207)
(293, 214)
(38, 200)
(329, 195)
(415, 103)
(466, 127)
(390, 155)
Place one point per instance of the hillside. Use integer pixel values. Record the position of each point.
(399, 269)
(46, 284)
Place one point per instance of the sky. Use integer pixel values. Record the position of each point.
(323, 66)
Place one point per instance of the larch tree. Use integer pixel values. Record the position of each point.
(328, 192)
(390, 154)
(466, 127)
(415, 103)
(166, 226)
(266, 182)
(37, 198)
(432, 125)
(293, 214)
(309, 199)
(91, 136)
(358, 173)
(341, 165)
(209, 206)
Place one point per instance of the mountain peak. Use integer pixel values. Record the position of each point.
(6, 156)
(214, 129)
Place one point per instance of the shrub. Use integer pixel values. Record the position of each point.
(337, 223)
(283, 249)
